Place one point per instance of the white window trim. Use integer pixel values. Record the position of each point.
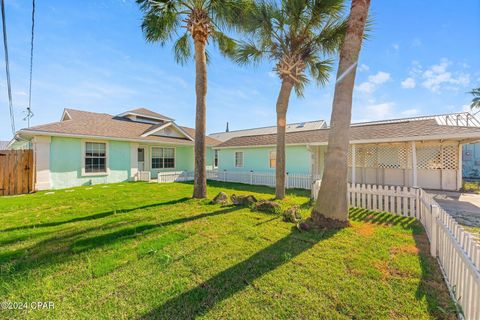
(235, 159)
(174, 158)
(107, 158)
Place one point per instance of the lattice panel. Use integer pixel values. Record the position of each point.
(450, 157)
(399, 156)
(392, 156)
(429, 157)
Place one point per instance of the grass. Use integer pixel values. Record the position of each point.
(472, 186)
(147, 251)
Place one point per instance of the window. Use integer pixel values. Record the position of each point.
(239, 159)
(95, 157)
(163, 158)
(273, 159)
(215, 159)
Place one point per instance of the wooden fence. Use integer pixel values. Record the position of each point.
(456, 250)
(16, 172)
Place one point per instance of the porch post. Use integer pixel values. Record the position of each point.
(41, 153)
(460, 168)
(133, 161)
(414, 164)
(354, 164)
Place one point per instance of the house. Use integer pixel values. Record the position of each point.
(422, 151)
(4, 145)
(85, 148)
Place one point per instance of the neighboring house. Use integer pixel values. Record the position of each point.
(4, 145)
(86, 148)
(471, 161)
(293, 127)
(423, 151)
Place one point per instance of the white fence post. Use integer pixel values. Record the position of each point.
(224, 175)
(286, 180)
(251, 176)
(433, 230)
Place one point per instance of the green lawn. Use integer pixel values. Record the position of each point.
(145, 251)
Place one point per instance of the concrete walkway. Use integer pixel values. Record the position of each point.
(464, 207)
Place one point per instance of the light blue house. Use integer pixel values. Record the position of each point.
(85, 148)
(422, 151)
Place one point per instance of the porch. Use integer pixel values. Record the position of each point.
(426, 164)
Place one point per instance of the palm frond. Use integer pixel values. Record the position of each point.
(475, 104)
(248, 52)
(182, 49)
(226, 45)
(320, 70)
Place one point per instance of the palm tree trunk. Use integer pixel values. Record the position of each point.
(200, 171)
(282, 107)
(331, 208)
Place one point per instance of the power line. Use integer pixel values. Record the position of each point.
(29, 108)
(7, 68)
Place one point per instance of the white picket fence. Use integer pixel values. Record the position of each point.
(457, 251)
(292, 180)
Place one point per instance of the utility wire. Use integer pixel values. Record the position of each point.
(29, 108)
(7, 68)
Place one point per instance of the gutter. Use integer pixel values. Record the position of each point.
(82, 136)
(367, 141)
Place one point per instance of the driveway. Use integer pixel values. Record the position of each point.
(464, 207)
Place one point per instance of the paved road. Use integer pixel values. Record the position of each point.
(464, 207)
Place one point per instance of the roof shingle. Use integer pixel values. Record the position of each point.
(398, 131)
(85, 123)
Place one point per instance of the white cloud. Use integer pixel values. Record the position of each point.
(408, 83)
(437, 77)
(363, 67)
(410, 112)
(373, 82)
(396, 46)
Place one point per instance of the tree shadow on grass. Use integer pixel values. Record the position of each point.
(96, 215)
(432, 286)
(199, 300)
(124, 234)
(59, 249)
(381, 218)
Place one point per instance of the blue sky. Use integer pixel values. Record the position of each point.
(421, 58)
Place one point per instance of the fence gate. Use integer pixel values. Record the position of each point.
(16, 172)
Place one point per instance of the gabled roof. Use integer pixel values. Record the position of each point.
(142, 112)
(292, 127)
(397, 131)
(102, 125)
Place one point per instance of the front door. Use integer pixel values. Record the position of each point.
(141, 159)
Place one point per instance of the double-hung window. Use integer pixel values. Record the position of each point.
(215, 159)
(272, 159)
(239, 159)
(95, 157)
(163, 158)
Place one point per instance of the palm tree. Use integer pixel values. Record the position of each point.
(297, 36)
(184, 22)
(331, 208)
(476, 98)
